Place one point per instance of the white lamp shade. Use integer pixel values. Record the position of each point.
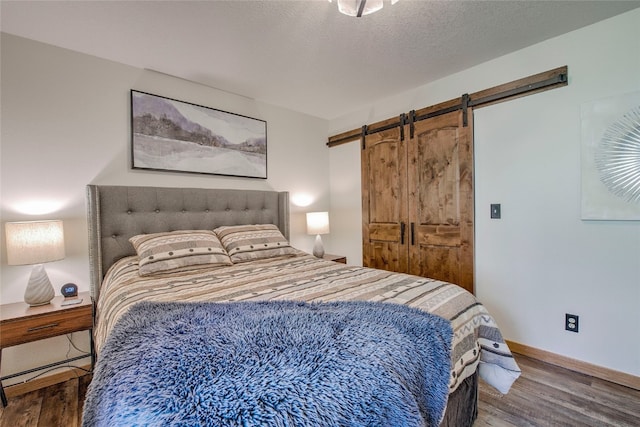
(318, 223)
(34, 242)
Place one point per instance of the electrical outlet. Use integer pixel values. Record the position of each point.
(571, 322)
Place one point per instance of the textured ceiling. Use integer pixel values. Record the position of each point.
(302, 55)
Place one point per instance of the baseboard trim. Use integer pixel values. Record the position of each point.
(42, 382)
(603, 373)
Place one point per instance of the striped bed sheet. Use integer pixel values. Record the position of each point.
(477, 341)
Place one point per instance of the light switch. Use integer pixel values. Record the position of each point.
(495, 210)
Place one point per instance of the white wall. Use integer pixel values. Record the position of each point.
(346, 202)
(65, 124)
(541, 260)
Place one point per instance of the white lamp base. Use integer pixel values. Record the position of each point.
(318, 249)
(39, 289)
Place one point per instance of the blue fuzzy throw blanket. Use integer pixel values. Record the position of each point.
(272, 364)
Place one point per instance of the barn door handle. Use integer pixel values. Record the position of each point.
(402, 227)
(413, 240)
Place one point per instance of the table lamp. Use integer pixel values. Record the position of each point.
(35, 242)
(318, 223)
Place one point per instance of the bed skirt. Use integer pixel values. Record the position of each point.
(462, 407)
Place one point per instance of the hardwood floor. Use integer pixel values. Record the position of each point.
(59, 405)
(545, 395)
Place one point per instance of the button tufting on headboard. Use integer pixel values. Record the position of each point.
(207, 208)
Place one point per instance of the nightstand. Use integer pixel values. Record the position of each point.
(335, 258)
(20, 324)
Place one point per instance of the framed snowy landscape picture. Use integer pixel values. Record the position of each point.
(177, 136)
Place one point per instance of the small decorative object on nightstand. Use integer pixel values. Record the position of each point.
(69, 290)
(318, 223)
(20, 323)
(35, 242)
(335, 258)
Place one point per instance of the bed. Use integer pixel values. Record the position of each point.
(158, 329)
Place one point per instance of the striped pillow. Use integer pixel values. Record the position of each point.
(252, 242)
(178, 251)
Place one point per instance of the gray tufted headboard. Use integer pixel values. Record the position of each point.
(116, 213)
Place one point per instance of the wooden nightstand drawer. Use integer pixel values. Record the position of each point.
(22, 324)
(30, 329)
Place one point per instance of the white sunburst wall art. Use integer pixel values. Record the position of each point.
(611, 158)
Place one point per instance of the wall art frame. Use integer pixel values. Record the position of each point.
(177, 136)
(611, 158)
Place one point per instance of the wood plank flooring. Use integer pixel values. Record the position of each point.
(545, 395)
(59, 405)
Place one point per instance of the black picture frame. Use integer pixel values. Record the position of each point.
(178, 136)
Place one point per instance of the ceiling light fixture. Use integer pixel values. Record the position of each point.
(360, 8)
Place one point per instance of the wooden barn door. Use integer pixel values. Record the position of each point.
(384, 203)
(440, 188)
(417, 206)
